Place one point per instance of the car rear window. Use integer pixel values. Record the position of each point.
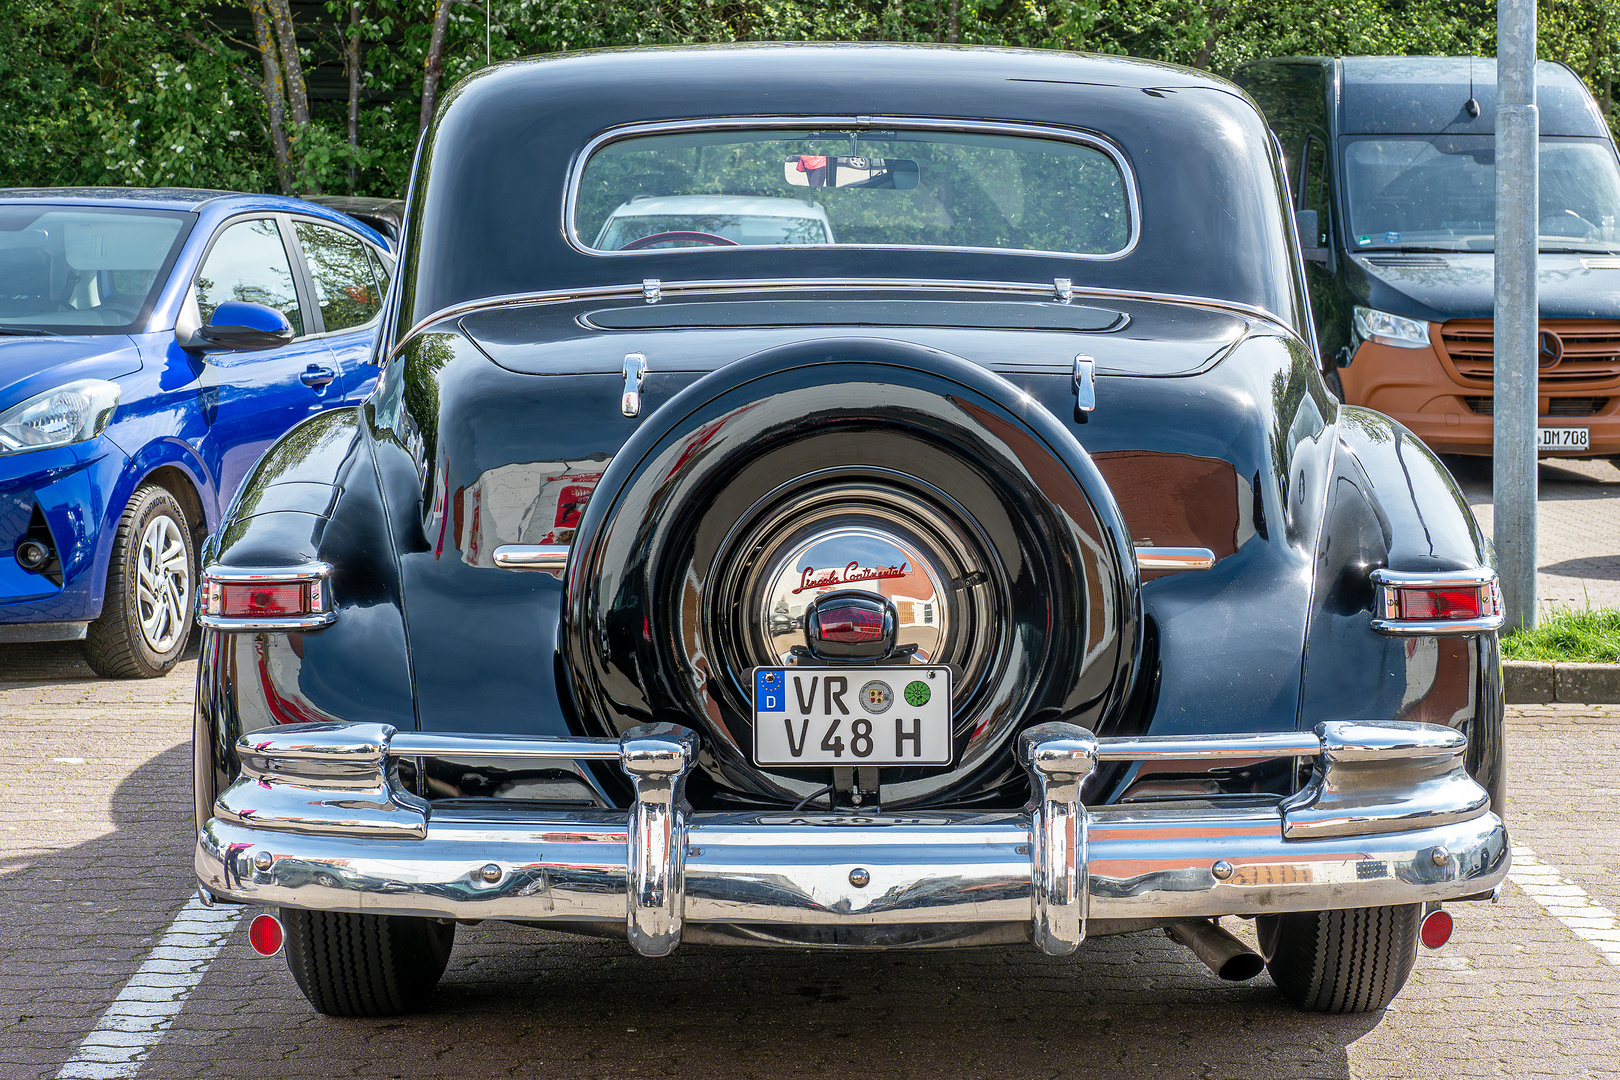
(1052, 192)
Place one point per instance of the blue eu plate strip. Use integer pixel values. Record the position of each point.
(770, 690)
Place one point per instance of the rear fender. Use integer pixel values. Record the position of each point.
(1392, 504)
(313, 497)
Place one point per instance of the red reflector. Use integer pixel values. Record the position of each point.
(265, 935)
(1436, 929)
(263, 599)
(852, 627)
(1452, 603)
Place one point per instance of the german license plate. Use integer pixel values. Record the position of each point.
(1563, 438)
(852, 716)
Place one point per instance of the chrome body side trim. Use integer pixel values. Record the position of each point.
(728, 285)
(1133, 199)
(314, 574)
(1386, 603)
(319, 820)
(1167, 559)
(546, 558)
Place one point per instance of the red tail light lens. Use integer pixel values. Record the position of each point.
(242, 600)
(1470, 602)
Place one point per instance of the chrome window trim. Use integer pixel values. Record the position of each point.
(1386, 610)
(313, 573)
(725, 285)
(1088, 139)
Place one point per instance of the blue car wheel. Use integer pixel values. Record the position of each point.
(146, 617)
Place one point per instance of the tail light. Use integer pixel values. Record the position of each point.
(267, 598)
(1441, 602)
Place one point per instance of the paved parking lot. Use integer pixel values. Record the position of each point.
(95, 833)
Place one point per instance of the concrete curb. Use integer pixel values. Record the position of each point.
(1537, 682)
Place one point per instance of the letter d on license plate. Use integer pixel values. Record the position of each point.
(852, 716)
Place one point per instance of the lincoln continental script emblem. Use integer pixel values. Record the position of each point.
(811, 578)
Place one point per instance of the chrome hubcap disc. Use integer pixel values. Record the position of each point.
(163, 585)
(865, 559)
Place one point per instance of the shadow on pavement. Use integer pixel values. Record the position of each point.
(527, 1003)
(75, 922)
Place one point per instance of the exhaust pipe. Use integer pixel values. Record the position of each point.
(1222, 953)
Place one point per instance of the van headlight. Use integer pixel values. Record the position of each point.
(72, 413)
(1387, 329)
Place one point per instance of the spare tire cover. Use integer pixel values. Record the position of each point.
(796, 457)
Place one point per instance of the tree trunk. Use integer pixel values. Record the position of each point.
(352, 60)
(274, 93)
(435, 56)
(297, 90)
(953, 23)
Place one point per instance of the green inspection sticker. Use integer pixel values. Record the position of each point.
(917, 694)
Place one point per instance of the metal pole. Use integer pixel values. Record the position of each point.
(1513, 486)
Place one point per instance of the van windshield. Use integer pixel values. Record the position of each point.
(1425, 192)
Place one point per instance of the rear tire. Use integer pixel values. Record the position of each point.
(1349, 961)
(146, 616)
(366, 965)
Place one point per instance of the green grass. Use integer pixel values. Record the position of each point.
(1580, 635)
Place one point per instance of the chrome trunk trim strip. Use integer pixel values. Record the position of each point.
(546, 558)
(733, 285)
(1169, 559)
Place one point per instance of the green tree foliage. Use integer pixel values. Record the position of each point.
(148, 92)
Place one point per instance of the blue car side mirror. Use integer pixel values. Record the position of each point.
(237, 324)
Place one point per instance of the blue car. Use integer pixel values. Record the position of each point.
(153, 343)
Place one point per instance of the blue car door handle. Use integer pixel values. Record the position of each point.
(317, 376)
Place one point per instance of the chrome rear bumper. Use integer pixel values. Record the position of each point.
(318, 820)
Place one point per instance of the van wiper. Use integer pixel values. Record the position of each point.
(1579, 251)
(26, 331)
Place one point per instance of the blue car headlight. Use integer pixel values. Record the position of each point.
(72, 413)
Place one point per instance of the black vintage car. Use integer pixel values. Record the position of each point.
(872, 496)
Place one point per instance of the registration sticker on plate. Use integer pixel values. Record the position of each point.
(852, 716)
(1563, 438)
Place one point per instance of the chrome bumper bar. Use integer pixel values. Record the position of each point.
(318, 820)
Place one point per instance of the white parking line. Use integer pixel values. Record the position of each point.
(1567, 902)
(136, 1020)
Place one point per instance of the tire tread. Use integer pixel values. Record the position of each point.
(365, 965)
(1345, 961)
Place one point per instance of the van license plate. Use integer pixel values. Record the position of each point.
(1563, 438)
(852, 716)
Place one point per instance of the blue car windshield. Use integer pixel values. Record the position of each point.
(1426, 192)
(82, 269)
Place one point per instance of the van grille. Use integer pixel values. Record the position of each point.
(1569, 406)
(1591, 349)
